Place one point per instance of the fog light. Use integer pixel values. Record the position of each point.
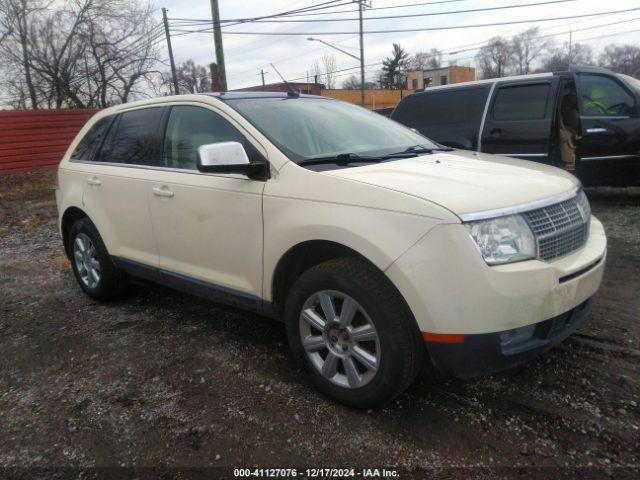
(517, 335)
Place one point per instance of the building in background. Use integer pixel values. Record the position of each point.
(419, 79)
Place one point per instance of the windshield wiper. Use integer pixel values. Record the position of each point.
(423, 149)
(346, 158)
(342, 159)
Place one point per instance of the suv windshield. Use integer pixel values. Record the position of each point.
(634, 83)
(310, 128)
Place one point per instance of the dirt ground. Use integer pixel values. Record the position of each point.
(160, 378)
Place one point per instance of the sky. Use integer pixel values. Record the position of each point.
(294, 55)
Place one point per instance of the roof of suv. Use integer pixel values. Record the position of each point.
(239, 95)
(513, 78)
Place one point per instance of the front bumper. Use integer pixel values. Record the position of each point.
(491, 352)
(452, 291)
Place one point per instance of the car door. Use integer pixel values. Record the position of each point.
(609, 151)
(520, 119)
(208, 227)
(116, 185)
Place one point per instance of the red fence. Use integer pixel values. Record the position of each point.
(35, 139)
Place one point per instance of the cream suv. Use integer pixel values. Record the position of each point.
(380, 249)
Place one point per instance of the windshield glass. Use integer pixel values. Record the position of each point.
(308, 128)
(634, 83)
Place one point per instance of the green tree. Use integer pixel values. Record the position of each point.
(391, 76)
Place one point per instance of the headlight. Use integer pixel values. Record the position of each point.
(503, 240)
(583, 206)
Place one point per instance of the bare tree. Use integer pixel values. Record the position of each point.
(56, 49)
(5, 27)
(621, 59)
(329, 65)
(192, 78)
(316, 72)
(122, 40)
(353, 83)
(324, 70)
(77, 53)
(566, 56)
(15, 51)
(495, 59)
(527, 47)
(425, 60)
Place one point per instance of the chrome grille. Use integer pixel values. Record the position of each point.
(560, 228)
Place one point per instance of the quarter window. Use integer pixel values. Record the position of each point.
(602, 95)
(433, 108)
(522, 102)
(133, 138)
(92, 140)
(189, 128)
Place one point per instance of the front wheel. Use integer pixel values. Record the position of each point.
(353, 332)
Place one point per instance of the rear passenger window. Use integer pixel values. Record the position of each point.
(522, 102)
(92, 140)
(133, 138)
(443, 107)
(189, 128)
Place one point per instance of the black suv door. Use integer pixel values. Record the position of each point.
(520, 119)
(608, 153)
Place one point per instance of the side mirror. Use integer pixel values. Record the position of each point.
(227, 157)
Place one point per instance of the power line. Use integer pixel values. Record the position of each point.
(428, 29)
(205, 21)
(550, 35)
(455, 51)
(310, 8)
(414, 15)
(588, 39)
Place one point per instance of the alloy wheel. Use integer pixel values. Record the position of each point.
(339, 339)
(86, 260)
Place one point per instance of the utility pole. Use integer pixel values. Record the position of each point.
(217, 38)
(570, 47)
(176, 90)
(262, 75)
(361, 4)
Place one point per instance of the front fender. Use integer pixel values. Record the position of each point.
(381, 236)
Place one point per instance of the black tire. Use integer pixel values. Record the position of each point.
(402, 351)
(112, 281)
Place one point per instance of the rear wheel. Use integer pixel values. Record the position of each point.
(353, 332)
(95, 272)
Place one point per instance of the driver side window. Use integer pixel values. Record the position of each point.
(603, 96)
(190, 127)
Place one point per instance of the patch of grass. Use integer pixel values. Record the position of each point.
(32, 222)
(26, 186)
(62, 261)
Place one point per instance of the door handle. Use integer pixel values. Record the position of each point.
(94, 181)
(162, 192)
(597, 130)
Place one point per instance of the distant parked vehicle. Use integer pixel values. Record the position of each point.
(586, 121)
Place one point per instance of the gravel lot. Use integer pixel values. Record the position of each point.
(162, 378)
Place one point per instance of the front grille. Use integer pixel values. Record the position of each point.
(560, 228)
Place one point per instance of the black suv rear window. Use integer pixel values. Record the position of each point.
(460, 106)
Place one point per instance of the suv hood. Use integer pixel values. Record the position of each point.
(464, 181)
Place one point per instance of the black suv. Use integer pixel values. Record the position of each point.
(586, 120)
